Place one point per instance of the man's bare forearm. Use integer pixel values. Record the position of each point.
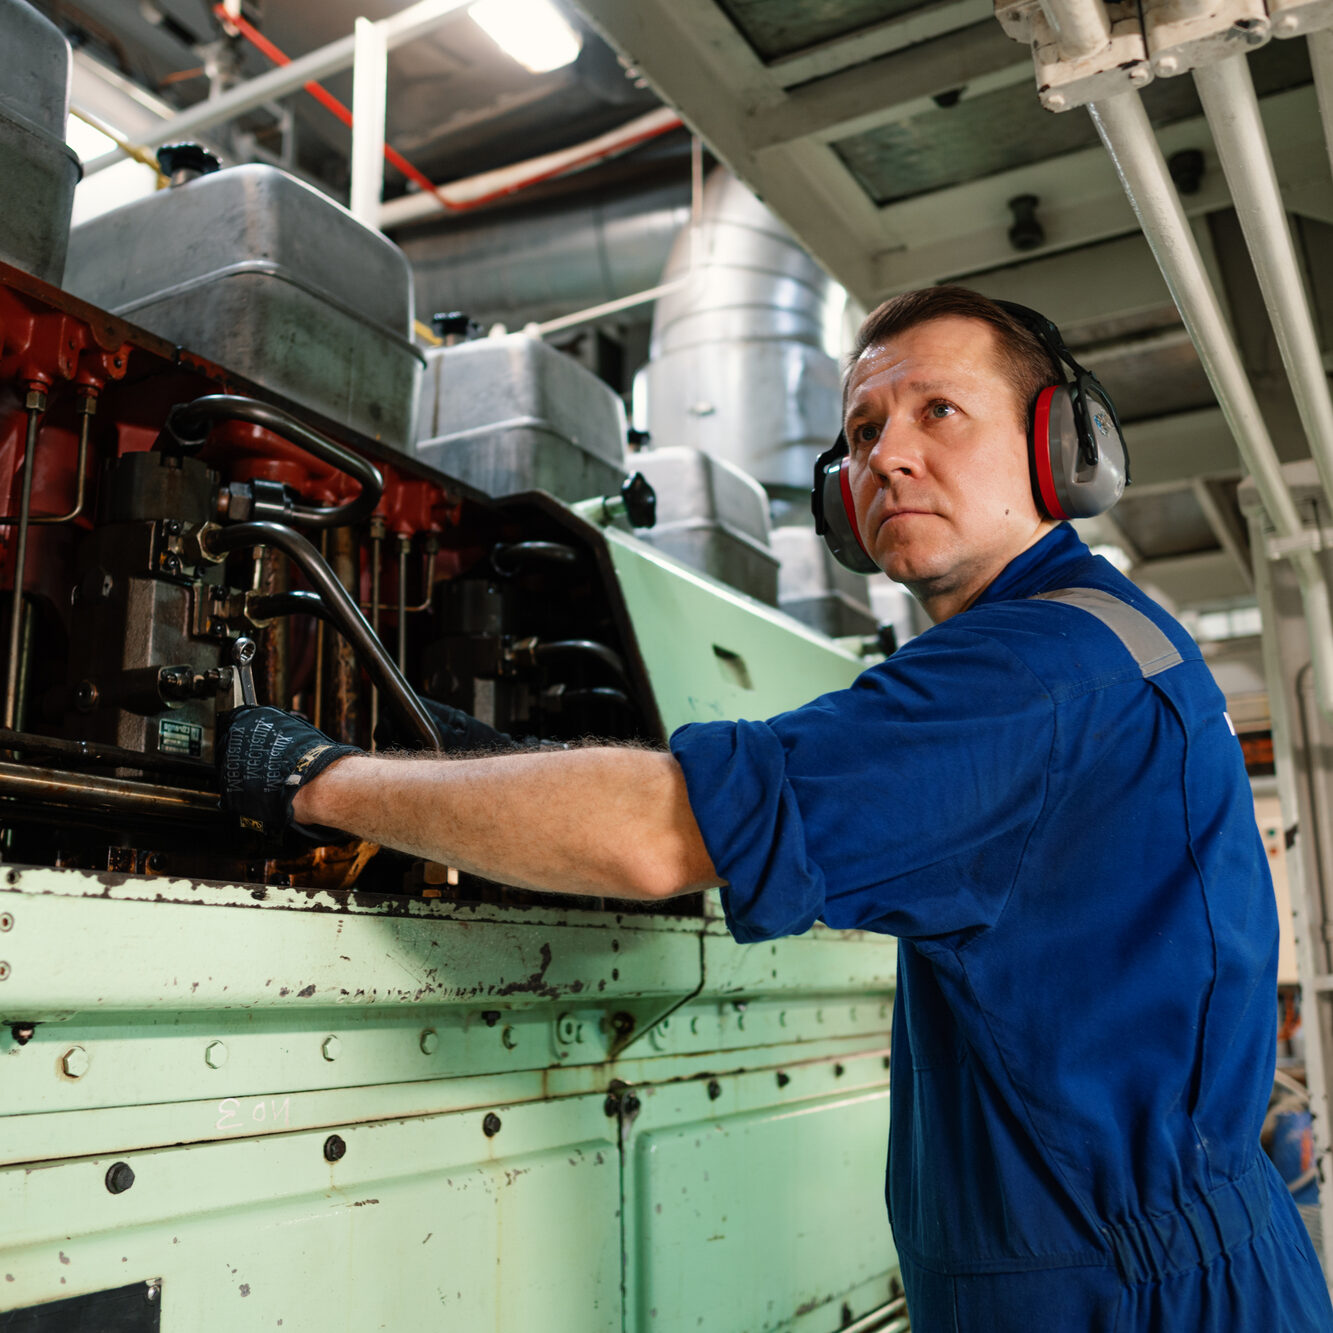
(602, 821)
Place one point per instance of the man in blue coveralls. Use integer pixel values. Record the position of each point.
(1041, 797)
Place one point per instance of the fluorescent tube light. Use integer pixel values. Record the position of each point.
(533, 32)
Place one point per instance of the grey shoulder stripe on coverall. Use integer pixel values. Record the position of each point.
(1145, 642)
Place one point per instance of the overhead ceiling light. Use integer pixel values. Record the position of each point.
(533, 32)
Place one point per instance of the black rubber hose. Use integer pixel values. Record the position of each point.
(188, 425)
(583, 648)
(509, 557)
(342, 610)
(269, 606)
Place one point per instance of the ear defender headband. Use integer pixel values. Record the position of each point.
(1077, 457)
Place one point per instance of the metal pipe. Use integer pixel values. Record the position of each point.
(887, 1319)
(217, 542)
(36, 405)
(87, 406)
(95, 752)
(404, 550)
(1232, 110)
(345, 561)
(398, 29)
(370, 86)
(1125, 130)
(1080, 29)
(1321, 65)
(376, 553)
(112, 795)
(188, 425)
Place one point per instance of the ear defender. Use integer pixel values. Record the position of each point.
(1077, 457)
(835, 515)
(1076, 452)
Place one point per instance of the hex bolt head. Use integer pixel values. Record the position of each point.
(1054, 101)
(1140, 74)
(335, 1148)
(6, 921)
(1285, 25)
(566, 1029)
(119, 1177)
(491, 1125)
(429, 1041)
(1166, 65)
(331, 1048)
(215, 1054)
(75, 1062)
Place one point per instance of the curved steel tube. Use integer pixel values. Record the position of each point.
(340, 607)
(51, 786)
(188, 424)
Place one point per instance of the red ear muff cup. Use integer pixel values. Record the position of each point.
(1047, 498)
(845, 489)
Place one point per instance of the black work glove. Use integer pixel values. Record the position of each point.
(265, 756)
(459, 731)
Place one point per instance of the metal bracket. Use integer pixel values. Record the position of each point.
(1308, 539)
(1182, 35)
(1064, 83)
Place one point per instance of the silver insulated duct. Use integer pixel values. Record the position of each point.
(738, 363)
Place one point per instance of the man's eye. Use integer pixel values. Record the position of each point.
(940, 409)
(865, 434)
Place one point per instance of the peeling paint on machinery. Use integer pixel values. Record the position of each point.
(245, 1088)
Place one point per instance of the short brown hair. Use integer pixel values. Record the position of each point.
(1024, 359)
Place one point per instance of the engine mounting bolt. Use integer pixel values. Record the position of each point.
(1140, 74)
(119, 1177)
(491, 1125)
(1285, 25)
(430, 1042)
(75, 1062)
(1166, 65)
(335, 1148)
(1054, 101)
(215, 1054)
(331, 1049)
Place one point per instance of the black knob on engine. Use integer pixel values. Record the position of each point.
(182, 162)
(640, 501)
(454, 326)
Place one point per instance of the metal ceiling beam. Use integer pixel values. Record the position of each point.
(1227, 526)
(885, 89)
(879, 40)
(955, 232)
(694, 57)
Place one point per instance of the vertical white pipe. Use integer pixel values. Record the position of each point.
(370, 87)
(1125, 130)
(1232, 109)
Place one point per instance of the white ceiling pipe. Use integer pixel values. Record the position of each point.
(1080, 28)
(466, 193)
(370, 91)
(1232, 110)
(1321, 62)
(319, 64)
(1125, 130)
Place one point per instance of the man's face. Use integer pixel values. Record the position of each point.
(938, 470)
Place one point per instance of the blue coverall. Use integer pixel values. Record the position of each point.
(1044, 800)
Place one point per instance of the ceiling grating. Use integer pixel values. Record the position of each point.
(777, 28)
(1007, 128)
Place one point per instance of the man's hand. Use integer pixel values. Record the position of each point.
(264, 759)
